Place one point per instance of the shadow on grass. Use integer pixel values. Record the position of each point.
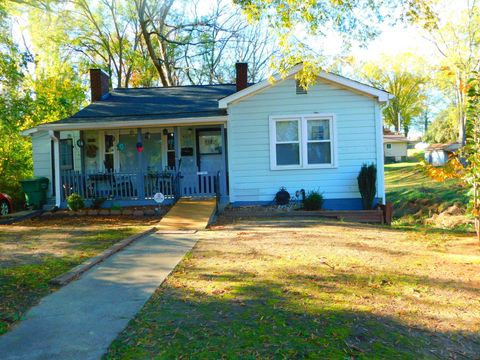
(259, 223)
(264, 320)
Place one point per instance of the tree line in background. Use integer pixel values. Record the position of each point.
(46, 48)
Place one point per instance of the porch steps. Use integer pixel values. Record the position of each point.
(188, 214)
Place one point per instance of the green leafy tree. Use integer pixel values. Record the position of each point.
(34, 89)
(16, 103)
(444, 128)
(409, 87)
(294, 23)
(456, 37)
(471, 151)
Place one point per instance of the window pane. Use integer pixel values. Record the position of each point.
(288, 154)
(287, 130)
(209, 143)
(66, 154)
(109, 142)
(319, 153)
(127, 151)
(318, 129)
(152, 152)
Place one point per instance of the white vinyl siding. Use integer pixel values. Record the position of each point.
(42, 156)
(396, 149)
(249, 141)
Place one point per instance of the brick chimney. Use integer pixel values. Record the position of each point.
(242, 75)
(99, 84)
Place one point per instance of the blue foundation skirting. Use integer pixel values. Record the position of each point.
(125, 203)
(328, 204)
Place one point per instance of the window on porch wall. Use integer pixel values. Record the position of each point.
(152, 152)
(127, 149)
(171, 150)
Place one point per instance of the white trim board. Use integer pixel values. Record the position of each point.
(382, 96)
(211, 120)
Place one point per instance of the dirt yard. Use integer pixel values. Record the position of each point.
(316, 289)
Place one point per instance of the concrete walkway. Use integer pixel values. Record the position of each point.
(80, 320)
(188, 214)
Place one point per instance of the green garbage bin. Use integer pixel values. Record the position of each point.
(35, 190)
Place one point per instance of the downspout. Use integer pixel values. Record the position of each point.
(56, 155)
(380, 154)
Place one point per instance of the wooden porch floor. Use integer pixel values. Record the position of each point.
(188, 214)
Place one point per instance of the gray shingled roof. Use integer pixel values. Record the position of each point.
(155, 103)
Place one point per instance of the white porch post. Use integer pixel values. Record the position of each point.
(176, 139)
(141, 174)
(55, 136)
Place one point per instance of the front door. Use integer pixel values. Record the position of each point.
(209, 150)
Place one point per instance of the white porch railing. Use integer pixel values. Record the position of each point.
(117, 185)
(199, 184)
(139, 186)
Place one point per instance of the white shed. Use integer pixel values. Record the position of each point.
(438, 154)
(395, 147)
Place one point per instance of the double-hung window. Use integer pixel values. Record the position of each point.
(305, 141)
(66, 154)
(287, 142)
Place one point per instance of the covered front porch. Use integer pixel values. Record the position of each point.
(128, 166)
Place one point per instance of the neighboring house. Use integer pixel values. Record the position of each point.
(395, 147)
(239, 142)
(438, 154)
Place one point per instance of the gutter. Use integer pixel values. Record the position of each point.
(98, 125)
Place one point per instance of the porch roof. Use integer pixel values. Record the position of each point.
(154, 104)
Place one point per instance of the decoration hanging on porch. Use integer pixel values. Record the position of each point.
(139, 147)
(121, 147)
(91, 150)
(159, 198)
(80, 143)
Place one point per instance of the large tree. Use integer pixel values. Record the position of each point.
(37, 85)
(186, 47)
(15, 105)
(456, 37)
(444, 127)
(108, 35)
(300, 27)
(409, 87)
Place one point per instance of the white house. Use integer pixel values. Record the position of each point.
(239, 142)
(395, 147)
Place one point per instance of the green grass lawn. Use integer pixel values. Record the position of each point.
(34, 252)
(411, 190)
(279, 289)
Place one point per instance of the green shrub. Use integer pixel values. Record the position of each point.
(367, 184)
(97, 202)
(313, 201)
(75, 202)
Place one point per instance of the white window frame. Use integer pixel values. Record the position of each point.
(303, 139)
(274, 142)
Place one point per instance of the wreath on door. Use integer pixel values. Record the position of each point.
(91, 150)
